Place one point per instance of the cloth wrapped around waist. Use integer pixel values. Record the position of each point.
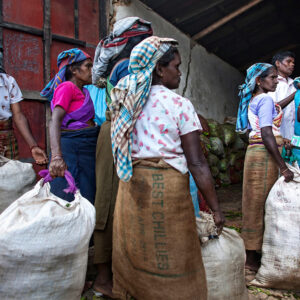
(156, 250)
(8, 139)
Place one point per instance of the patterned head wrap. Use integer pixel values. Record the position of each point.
(110, 47)
(245, 94)
(64, 59)
(130, 95)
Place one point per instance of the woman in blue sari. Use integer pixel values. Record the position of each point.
(73, 134)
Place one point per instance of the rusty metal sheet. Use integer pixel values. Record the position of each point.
(23, 59)
(29, 12)
(89, 21)
(62, 17)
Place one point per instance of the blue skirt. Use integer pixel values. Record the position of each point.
(79, 152)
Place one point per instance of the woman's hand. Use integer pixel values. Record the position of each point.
(219, 220)
(57, 167)
(39, 155)
(287, 144)
(288, 174)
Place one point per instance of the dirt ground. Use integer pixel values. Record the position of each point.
(231, 203)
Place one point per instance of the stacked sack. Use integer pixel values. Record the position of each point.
(225, 151)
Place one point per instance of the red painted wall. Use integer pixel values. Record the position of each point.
(26, 12)
(23, 58)
(23, 52)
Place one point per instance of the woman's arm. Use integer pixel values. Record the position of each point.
(57, 165)
(271, 145)
(21, 122)
(298, 113)
(284, 102)
(199, 168)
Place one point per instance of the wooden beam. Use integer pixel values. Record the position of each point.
(198, 11)
(76, 19)
(1, 20)
(33, 95)
(47, 39)
(39, 32)
(103, 18)
(225, 19)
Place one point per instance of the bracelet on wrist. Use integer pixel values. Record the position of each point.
(284, 170)
(33, 147)
(56, 157)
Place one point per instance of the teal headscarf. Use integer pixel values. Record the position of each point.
(245, 94)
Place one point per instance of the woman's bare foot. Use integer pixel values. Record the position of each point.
(104, 289)
(103, 282)
(252, 260)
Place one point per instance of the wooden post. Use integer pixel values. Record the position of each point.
(76, 19)
(103, 18)
(47, 61)
(1, 20)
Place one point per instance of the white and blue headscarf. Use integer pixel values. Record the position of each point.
(245, 94)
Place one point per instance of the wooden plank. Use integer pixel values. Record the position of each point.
(33, 95)
(39, 32)
(103, 18)
(1, 19)
(23, 28)
(47, 66)
(197, 12)
(76, 20)
(225, 20)
(47, 40)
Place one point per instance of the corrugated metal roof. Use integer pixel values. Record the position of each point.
(252, 35)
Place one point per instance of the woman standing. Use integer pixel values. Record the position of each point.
(263, 159)
(73, 134)
(155, 140)
(110, 65)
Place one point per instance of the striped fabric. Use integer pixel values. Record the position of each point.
(129, 97)
(112, 46)
(64, 59)
(245, 94)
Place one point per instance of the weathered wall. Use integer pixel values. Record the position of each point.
(209, 82)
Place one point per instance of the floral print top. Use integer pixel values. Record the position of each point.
(10, 93)
(165, 117)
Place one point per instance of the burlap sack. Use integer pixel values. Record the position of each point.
(156, 250)
(280, 263)
(260, 174)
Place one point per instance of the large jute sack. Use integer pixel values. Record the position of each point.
(224, 261)
(16, 178)
(280, 263)
(156, 250)
(44, 246)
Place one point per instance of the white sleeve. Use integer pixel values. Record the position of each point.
(15, 93)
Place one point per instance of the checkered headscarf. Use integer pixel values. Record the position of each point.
(130, 96)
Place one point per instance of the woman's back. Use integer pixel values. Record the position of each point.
(165, 117)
